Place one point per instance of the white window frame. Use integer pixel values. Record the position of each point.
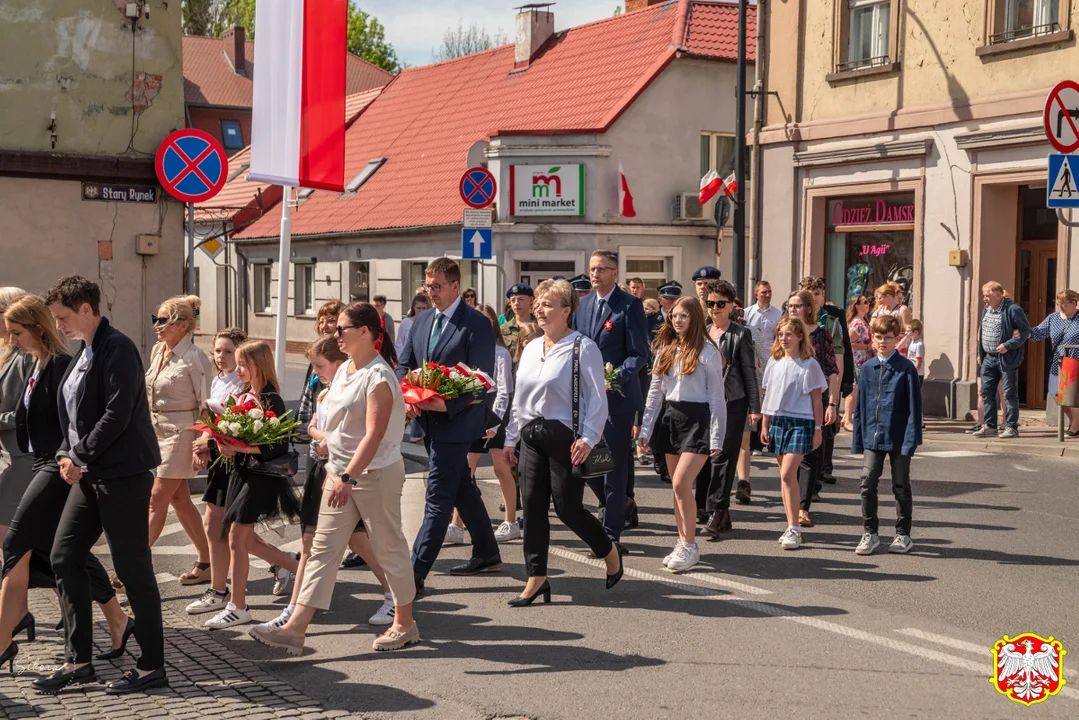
(305, 288)
(672, 256)
(1045, 17)
(879, 50)
(263, 282)
(713, 149)
(658, 278)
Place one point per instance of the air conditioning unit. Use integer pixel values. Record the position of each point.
(687, 206)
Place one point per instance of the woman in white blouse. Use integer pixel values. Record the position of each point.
(542, 418)
(689, 388)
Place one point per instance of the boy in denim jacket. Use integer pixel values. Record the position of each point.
(887, 423)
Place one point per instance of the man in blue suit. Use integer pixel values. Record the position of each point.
(449, 333)
(615, 320)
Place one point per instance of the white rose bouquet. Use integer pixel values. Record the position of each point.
(610, 379)
(245, 424)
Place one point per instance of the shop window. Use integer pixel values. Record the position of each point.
(232, 136)
(416, 277)
(870, 241)
(1018, 19)
(653, 271)
(305, 289)
(263, 288)
(866, 34)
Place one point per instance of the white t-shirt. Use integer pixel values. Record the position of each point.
(916, 349)
(764, 320)
(346, 415)
(221, 387)
(788, 385)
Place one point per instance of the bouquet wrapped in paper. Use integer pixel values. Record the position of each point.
(610, 379)
(438, 381)
(244, 424)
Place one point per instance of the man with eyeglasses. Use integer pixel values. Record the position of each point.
(615, 320)
(449, 333)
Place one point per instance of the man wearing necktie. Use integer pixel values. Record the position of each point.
(449, 333)
(615, 320)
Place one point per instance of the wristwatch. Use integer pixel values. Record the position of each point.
(816, 427)
(835, 405)
(346, 478)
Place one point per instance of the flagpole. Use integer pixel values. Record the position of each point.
(283, 272)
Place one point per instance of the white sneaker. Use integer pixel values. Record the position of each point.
(278, 621)
(901, 544)
(669, 557)
(454, 535)
(229, 617)
(791, 540)
(507, 531)
(384, 616)
(685, 557)
(282, 580)
(209, 601)
(869, 543)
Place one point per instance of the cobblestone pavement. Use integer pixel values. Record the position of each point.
(206, 679)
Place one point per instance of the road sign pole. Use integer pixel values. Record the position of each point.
(284, 252)
(190, 249)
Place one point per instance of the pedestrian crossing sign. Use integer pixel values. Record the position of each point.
(1063, 190)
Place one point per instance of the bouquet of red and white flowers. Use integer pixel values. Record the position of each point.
(245, 424)
(438, 381)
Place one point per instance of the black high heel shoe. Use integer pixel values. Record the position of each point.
(60, 679)
(612, 580)
(113, 654)
(27, 623)
(9, 657)
(544, 590)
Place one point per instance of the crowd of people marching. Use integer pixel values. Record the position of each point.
(590, 381)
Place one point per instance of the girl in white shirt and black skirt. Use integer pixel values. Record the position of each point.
(688, 387)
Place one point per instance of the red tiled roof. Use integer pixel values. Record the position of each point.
(425, 121)
(713, 29)
(209, 79)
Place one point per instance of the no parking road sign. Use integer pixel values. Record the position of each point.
(478, 187)
(191, 165)
(1062, 116)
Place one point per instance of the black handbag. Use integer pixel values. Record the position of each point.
(600, 461)
(286, 465)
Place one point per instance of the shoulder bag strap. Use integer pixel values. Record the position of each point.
(577, 386)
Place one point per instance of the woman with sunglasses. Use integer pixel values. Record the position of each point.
(177, 384)
(861, 343)
(735, 343)
(469, 296)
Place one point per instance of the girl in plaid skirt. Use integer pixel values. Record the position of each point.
(793, 412)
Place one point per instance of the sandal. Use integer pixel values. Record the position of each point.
(117, 585)
(1072, 433)
(196, 575)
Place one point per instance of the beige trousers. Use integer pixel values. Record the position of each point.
(377, 499)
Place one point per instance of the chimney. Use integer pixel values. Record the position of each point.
(233, 40)
(635, 5)
(535, 25)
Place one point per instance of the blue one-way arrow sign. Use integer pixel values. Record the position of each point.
(1063, 189)
(476, 244)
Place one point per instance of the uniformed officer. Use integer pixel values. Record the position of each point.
(520, 297)
(581, 284)
(701, 278)
(668, 296)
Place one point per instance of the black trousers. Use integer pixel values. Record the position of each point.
(717, 476)
(34, 529)
(611, 488)
(546, 473)
(872, 469)
(119, 507)
(811, 468)
(827, 444)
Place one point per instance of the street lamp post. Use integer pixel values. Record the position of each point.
(738, 249)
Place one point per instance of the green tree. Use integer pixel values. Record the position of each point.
(367, 38)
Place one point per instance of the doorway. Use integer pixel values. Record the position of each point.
(1035, 288)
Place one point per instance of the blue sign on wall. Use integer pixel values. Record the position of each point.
(1062, 191)
(477, 244)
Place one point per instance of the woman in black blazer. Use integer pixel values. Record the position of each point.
(29, 541)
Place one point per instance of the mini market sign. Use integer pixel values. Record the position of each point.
(547, 190)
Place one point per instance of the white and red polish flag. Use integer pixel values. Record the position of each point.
(625, 197)
(711, 185)
(298, 128)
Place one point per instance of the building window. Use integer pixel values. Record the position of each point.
(263, 287)
(653, 271)
(717, 153)
(359, 281)
(870, 241)
(534, 272)
(416, 278)
(1017, 19)
(305, 289)
(369, 169)
(232, 136)
(866, 34)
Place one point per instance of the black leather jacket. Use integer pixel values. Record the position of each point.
(741, 378)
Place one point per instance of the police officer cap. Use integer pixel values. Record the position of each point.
(707, 273)
(672, 289)
(581, 282)
(520, 289)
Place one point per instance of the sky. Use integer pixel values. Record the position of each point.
(416, 27)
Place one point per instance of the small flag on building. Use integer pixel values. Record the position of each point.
(711, 185)
(298, 123)
(625, 197)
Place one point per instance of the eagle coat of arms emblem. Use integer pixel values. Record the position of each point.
(1028, 668)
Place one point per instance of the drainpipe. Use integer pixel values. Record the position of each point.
(758, 123)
